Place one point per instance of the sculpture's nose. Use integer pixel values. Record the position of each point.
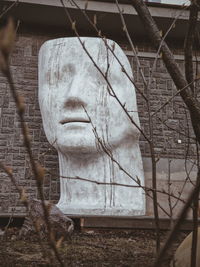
(72, 103)
(75, 95)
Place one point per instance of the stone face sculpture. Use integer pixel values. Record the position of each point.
(76, 102)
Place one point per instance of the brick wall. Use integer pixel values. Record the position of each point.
(24, 68)
(171, 125)
(12, 152)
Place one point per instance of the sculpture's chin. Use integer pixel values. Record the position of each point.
(77, 147)
(78, 151)
(75, 140)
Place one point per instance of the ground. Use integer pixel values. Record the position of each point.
(90, 248)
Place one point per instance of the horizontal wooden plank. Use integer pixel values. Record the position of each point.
(107, 223)
(129, 223)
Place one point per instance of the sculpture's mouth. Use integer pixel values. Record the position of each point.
(72, 120)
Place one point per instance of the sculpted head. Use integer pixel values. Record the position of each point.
(69, 82)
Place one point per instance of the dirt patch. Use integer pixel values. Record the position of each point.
(102, 248)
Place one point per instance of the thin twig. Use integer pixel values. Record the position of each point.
(110, 49)
(9, 8)
(109, 87)
(131, 44)
(25, 201)
(177, 93)
(178, 223)
(109, 154)
(195, 221)
(189, 41)
(7, 41)
(145, 188)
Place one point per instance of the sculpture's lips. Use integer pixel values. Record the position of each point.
(77, 119)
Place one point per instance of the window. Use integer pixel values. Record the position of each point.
(175, 2)
(170, 2)
(155, 1)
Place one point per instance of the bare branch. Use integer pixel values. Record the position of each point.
(176, 227)
(7, 38)
(152, 30)
(9, 8)
(188, 50)
(131, 44)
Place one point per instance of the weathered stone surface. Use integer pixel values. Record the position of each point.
(60, 223)
(81, 106)
(182, 256)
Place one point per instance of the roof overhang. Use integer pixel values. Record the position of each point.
(51, 13)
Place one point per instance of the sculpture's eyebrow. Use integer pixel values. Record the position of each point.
(100, 74)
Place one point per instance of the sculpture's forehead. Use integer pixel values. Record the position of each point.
(86, 50)
(70, 45)
(67, 56)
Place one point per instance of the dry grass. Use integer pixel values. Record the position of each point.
(103, 248)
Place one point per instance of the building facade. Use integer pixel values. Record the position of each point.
(174, 141)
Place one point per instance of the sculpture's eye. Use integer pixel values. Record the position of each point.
(47, 77)
(67, 72)
(68, 69)
(96, 75)
(114, 79)
(60, 74)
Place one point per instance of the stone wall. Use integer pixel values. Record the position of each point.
(171, 136)
(24, 63)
